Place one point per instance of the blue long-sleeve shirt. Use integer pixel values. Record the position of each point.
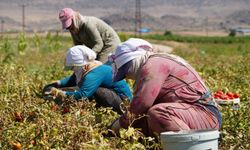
(100, 76)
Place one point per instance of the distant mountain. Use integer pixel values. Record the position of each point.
(158, 15)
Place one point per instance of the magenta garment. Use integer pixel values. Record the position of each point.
(166, 82)
(163, 80)
(180, 116)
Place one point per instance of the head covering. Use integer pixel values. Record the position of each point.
(66, 15)
(129, 50)
(125, 52)
(78, 56)
(121, 72)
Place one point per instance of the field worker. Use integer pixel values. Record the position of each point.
(91, 32)
(168, 92)
(93, 79)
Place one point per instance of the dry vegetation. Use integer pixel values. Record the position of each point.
(29, 122)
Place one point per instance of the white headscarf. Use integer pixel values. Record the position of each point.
(134, 49)
(129, 50)
(77, 57)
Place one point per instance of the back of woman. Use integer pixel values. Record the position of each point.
(102, 77)
(91, 32)
(177, 80)
(169, 94)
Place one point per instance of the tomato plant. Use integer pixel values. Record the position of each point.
(33, 123)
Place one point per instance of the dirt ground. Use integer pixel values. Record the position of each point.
(202, 33)
(162, 48)
(168, 46)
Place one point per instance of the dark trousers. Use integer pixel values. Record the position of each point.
(108, 98)
(103, 96)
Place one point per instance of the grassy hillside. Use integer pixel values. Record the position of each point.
(29, 122)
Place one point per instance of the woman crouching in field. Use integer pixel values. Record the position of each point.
(93, 79)
(169, 94)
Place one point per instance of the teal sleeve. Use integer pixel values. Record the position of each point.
(122, 89)
(68, 81)
(89, 85)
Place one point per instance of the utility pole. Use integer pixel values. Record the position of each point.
(23, 16)
(206, 26)
(2, 26)
(137, 17)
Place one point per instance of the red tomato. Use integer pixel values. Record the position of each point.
(217, 95)
(18, 116)
(66, 110)
(224, 97)
(236, 95)
(54, 107)
(219, 92)
(221, 96)
(230, 94)
(17, 146)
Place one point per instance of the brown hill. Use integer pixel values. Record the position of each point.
(156, 14)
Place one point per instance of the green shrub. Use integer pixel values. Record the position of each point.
(167, 33)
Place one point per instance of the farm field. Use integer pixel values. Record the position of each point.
(28, 62)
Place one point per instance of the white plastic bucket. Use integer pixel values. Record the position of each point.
(190, 140)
